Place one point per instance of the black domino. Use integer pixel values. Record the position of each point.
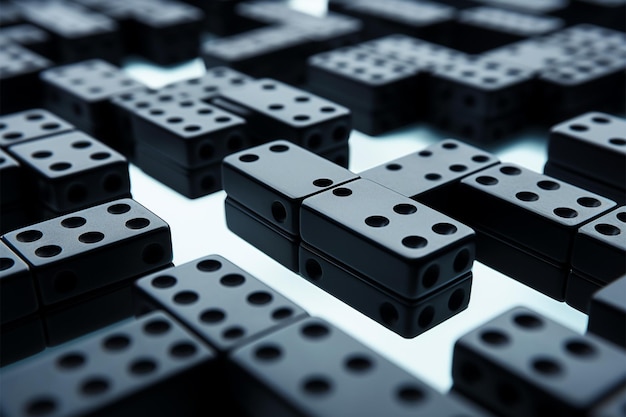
(592, 144)
(71, 254)
(314, 368)
(521, 363)
(282, 111)
(188, 132)
(245, 308)
(403, 245)
(77, 32)
(538, 202)
(142, 364)
(72, 171)
(373, 86)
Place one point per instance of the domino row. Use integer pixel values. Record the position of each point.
(210, 336)
(402, 227)
(395, 260)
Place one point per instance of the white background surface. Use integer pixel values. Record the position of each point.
(199, 229)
